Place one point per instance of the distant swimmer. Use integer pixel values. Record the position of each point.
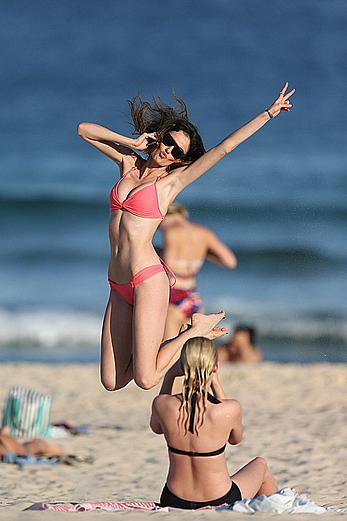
(186, 245)
(197, 424)
(134, 322)
(242, 346)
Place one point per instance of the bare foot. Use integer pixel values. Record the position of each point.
(204, 325)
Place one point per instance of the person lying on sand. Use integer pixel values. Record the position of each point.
(36, 447)
(197, 425)
(242, 347)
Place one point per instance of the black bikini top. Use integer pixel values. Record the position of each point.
(211, 399)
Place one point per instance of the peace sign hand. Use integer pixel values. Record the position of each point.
(282, 102)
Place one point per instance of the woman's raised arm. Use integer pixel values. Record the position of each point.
(216, 386)
(192, 172)
(112, 144)
(236, 432)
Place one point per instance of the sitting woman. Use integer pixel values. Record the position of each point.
(197, 426)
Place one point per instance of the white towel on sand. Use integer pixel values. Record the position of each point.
(283, 501)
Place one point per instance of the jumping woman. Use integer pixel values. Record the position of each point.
(134, 321)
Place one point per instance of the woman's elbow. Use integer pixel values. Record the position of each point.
(236, 438)
(155, 428)
(232, 263)
(82, 129)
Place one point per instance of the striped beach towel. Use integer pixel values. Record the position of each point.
(27, 413)
(101, 505)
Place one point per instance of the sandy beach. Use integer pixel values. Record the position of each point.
(294, 415)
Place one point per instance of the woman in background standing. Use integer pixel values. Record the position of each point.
(186, 246)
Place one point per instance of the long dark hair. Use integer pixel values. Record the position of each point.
(161, 118)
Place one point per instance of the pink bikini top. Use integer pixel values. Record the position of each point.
(143, 203)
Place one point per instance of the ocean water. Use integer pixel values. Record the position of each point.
(279, 200)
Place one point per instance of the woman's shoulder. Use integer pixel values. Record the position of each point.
(166, 400)
(230, 407)
(131, 160)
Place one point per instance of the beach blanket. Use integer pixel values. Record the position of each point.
(67, 459)
(284, 501)
(9, 457)
(101, 505)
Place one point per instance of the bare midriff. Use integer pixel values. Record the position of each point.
(131, 247)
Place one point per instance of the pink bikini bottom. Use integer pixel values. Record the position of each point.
(126, 290)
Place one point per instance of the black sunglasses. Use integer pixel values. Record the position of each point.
(169, 141)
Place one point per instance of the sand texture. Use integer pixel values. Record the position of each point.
(294, 415)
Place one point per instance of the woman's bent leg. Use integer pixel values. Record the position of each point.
(151, 301)
(42, 447)
(116, 369)
(152, 358)
(255, 479)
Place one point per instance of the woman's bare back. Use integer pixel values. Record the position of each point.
(199, 477)
(186, 247)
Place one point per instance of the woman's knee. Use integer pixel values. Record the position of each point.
(145, 380)
(108, 385)
(259, 460)
(109, 382)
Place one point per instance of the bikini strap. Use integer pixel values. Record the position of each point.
(192, 414)
(210, 398)
(128, 171)
(200, 454)
(170, 274)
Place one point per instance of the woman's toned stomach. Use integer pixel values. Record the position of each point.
(129, 252)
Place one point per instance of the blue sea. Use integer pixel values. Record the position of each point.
(279, 200)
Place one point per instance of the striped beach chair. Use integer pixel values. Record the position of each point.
(27, 413)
